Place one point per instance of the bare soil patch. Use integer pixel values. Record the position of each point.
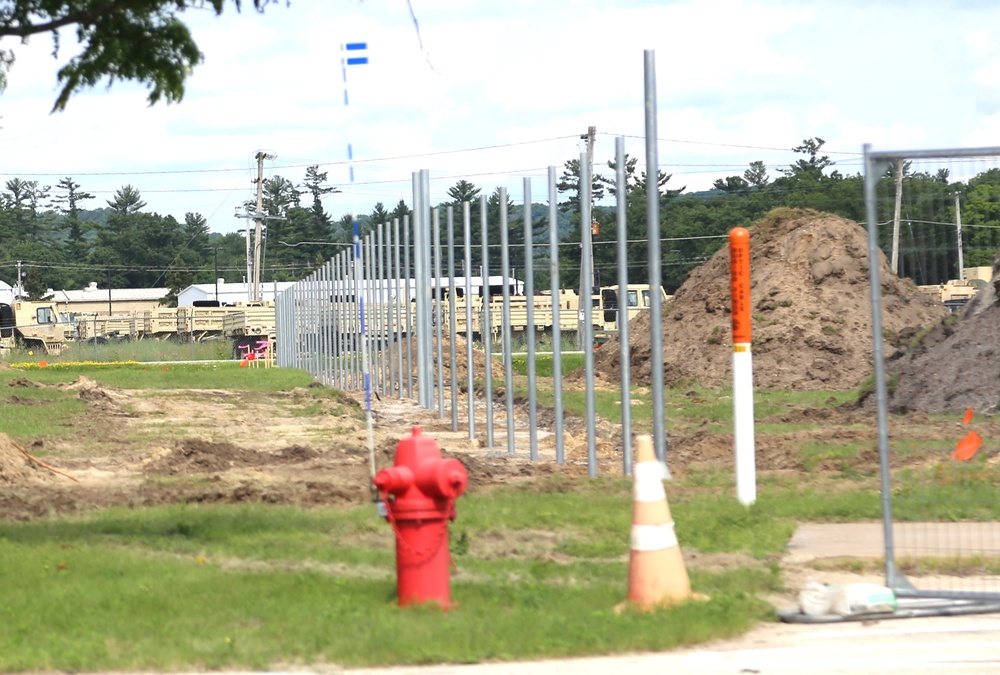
(956, 365)
(141, 448)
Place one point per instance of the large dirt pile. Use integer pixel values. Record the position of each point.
(956, 365)
(810, 306)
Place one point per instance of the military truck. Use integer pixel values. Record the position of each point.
(106, 328)
(159, 323)
(955, 293)
(248, 324)
(35, 326)
(612, 305)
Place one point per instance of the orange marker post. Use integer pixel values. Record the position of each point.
(739, 278)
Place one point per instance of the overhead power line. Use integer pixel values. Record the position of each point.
(294, 166)
(391, 158)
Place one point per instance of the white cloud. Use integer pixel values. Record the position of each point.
(737, 81)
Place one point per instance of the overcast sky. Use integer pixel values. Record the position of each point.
(496, 91)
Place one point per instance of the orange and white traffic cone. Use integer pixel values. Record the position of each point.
(657, 577)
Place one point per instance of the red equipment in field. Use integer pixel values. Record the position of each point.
(423, 487)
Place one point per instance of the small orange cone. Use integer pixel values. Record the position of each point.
(968, 416)
(657, 577)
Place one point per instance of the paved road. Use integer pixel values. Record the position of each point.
(967, 644)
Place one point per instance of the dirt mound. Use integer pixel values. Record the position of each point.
(810, 308)
(81, 383)
(956, 364)
(461, 370)
(23, 383)
(15, 467)
(194, 455)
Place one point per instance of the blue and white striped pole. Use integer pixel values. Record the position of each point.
(354, 54)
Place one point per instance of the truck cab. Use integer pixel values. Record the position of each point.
(613, 304)
(33, 325)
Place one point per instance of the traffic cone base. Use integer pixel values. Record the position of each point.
(657, 577)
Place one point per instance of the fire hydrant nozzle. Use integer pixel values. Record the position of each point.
(424, 486)
(394, 479)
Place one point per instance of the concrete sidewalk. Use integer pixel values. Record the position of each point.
(970, 644)
(813, 541)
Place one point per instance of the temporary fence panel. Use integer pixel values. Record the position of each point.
(938, 495)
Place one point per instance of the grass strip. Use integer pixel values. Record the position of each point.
(225, 587)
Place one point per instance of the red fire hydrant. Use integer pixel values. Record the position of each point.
(423, 487)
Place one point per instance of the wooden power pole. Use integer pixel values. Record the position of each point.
(895, 218)
(958, 232)
(259, 220)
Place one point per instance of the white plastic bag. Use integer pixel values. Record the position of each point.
(816, 599)
(855, 599)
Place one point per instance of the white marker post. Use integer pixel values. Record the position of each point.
(739, 276)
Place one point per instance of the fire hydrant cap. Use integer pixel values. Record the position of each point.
(445, 478)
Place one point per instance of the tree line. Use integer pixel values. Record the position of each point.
(62, 245)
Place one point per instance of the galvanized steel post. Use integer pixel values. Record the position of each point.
(397, 307)
(355, 322)
(556, 319)
(505, 312)
(529, 295)
(487, 330)
(423, 244)
(438, 329)
(409, 307)
(621, 188)
(470, 375)
(452, 320)
(423, 371)
(588, 314)
(379, 304)
(653, 237)
(370, 325)
(340, 324)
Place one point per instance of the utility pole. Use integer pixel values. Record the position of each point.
(259, 219)
(253, 271)
(586, 285)
(958, 230)
(895, 218)
(19, 291)
(244, 212)
(216, 248)
(590, 137)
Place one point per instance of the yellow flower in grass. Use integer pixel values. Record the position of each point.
(72, 364)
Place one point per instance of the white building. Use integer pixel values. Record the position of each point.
(6, 293)
(228, 294)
